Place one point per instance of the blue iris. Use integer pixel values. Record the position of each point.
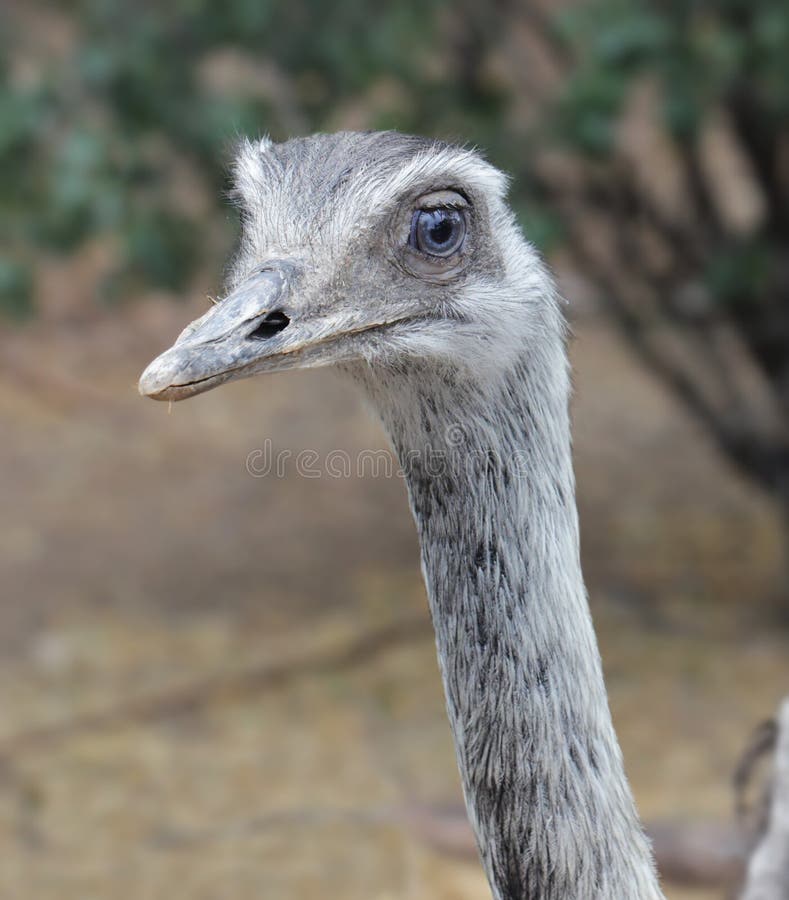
(438, 232)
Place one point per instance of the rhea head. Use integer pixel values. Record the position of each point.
(371, 250)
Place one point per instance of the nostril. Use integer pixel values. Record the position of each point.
(274, 322)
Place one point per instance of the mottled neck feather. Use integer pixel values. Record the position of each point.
(491, 485)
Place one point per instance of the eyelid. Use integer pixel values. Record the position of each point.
(442, 200)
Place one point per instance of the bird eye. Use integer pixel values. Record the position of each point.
(438, 232)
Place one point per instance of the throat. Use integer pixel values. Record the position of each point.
(491, 487)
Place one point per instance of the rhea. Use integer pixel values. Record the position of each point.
(397, 260)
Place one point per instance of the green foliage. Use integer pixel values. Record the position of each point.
(588, 111)
(16, 287)
(719, 72)
(701, 52)
(738, 274)
(704, 57)
(88, 144)
(83, 150)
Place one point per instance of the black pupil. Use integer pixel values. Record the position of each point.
(441, 230)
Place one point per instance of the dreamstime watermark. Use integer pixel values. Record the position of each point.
(451, 457)
(265, 462)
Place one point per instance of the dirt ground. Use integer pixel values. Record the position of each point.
(274, 753)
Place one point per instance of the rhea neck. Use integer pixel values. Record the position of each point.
(491, 486)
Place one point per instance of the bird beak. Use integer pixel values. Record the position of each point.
(261, 327)
(244, 334)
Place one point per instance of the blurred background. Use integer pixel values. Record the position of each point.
(214, 685)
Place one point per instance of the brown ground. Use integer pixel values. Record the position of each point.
(138, 555)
